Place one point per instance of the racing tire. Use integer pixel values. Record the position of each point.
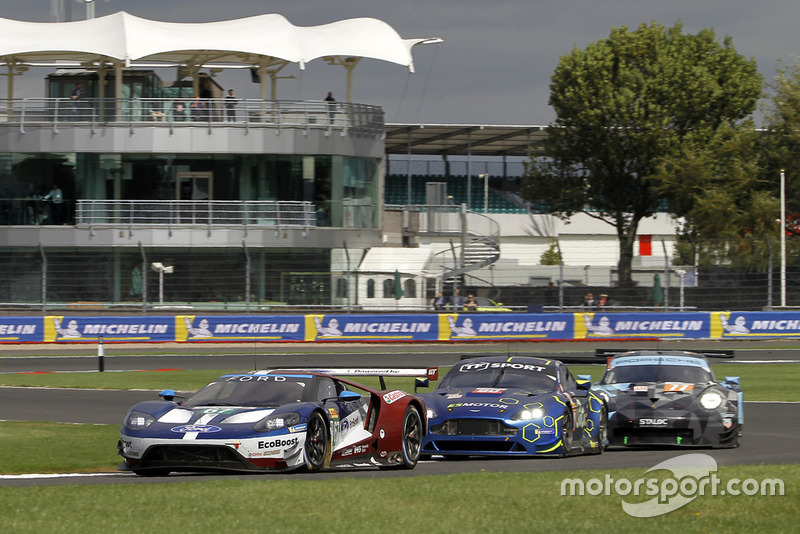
(602, 432)
(412, 437)
(566, 435)
(316, 448)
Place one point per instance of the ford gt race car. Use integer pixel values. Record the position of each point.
(276, 420)
(670, 398)
(513, 406)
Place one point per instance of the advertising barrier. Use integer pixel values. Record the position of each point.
(428, 327)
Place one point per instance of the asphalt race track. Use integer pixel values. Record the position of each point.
(770, 435)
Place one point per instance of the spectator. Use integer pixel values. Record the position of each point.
(602, 301)
(588, 301)
(56, 198)
(457, 301)
(178, 111)
(198, 109)
(331, 105)
(230, 106)
(470, 304)
(439, 301)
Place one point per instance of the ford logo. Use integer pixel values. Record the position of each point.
(195, 428)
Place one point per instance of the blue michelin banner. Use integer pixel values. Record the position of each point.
(21, 330)
(762, 325)
(505, 326)
(372, 328)
(79, 329)
(642, 325)
(240, 328)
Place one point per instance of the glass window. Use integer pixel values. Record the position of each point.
(410, 288)
(388, 288)
(371, 288)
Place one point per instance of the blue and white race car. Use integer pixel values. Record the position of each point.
(513, 406)
(277, 420)
(670, 398)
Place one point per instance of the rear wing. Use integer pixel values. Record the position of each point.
(708, 353)
(422, 374)
(565, 357)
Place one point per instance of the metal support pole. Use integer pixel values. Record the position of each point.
(44, 278)
(144, 278)
(348, 275)
(783, 239)
(247, 277)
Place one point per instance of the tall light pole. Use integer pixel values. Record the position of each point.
(485, 191)
(783, 239)
(89, 7)
(161, 269)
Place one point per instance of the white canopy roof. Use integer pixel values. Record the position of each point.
(127, 38)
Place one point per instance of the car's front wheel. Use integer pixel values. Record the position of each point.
(602, 432)
(317, 445)
(412, 437)
(566, 434)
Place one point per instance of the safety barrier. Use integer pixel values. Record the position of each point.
(464, 327)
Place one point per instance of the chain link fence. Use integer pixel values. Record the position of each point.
(241, 280)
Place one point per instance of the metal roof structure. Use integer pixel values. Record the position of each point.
(265, 42)
(464, 139)
(125, 37)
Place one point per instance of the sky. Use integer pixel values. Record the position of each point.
(496, 59)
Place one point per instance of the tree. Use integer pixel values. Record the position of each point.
(728, 211)
(551, 256)
(783, 139)
(624, 106)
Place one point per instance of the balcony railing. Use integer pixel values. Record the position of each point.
(209, 112)
(195, 212)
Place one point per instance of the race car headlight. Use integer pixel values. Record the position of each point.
(277, 421)
(138, 420)
(432, 413)
(524, 415)
(711, 400)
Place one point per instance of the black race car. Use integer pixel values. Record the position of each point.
(669, 398)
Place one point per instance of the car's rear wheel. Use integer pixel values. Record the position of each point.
(566, 434)
(412, 437)
(317, 445)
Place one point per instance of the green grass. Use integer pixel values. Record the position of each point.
(474, 502)
(772, 382)
(37, 447)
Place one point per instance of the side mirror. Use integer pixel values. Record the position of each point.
(169, 395)
(349, 396)
(584, 382)
(731, 382)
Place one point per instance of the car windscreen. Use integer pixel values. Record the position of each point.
(503, 377)
(656, 373)
(252, 390)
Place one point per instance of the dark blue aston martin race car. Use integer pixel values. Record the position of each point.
(513, 406)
